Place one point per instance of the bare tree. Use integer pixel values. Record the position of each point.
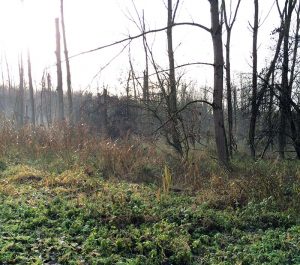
(31, 93)
(257, 96)
(59, 74)
(69, 83)
(172, 97)
(295, 118)
(254, 109)
(146, 71)
(9, 78)
(216, 34)
(286, 90)
(20, 96)
(49, 99)
(229, 22)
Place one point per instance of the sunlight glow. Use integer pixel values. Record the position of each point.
(29, 25)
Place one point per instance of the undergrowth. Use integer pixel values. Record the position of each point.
(73, 218)
(134, 159)
(68, 196)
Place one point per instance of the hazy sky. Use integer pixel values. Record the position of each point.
(93, 23)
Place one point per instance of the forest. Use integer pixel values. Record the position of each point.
(168, 170)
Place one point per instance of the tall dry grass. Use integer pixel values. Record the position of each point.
(62, 147)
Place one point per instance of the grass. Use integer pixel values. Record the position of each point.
(74, 218)
(68, 196)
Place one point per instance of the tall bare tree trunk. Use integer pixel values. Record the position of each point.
(254, 109)
(260, 94)
(31, 93)
(20, 98)
(229, 94)
(104, 113)
(3, 90)
(42, 108)
(235, 108)
(146, 71)
(229, 25)
(69, 83)
(172, 98)
(133, 78)
(216, 34)
(285, 89)
(295, 119)
(9, 80)
(49, 105)
(60, 93)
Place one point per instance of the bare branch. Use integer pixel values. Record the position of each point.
(130, 38)
(182, 109)
(176, 67)
(235, 13)
(175, 11)
(106, 65)
(228, 22)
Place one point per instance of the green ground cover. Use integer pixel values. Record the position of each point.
(73, 218)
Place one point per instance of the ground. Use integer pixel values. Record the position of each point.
(75, 218)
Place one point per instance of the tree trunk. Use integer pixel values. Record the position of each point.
(49, 100)
(69, 84)
(259, 95)
(254, 109)
(270, 112)
(172, 98)
(9, 81)
(3, 91)
(146, 71)
(229, 94)
(20, 99)
(285, 89)
(229, 25)
(235, 108)
(31, 93)
(42, 108)
(216, 34)
(104, 114)
(60, 93)
(295, 119)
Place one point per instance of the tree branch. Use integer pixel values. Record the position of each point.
(130, 38)
(182, 109)
(176, 67)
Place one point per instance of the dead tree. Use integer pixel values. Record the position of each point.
(146, 71)
(229, 25)
(31, 93)
(105, 113)
(60, 93)
(49, 100)
(3, 103)
(254, 109)
(216, 34)
(20, 96)
(295, 119)
(69, 83)
(172, 95)
(9, 80)
(286, 90)
(257, 96)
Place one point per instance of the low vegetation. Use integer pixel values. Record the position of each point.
(78, 199)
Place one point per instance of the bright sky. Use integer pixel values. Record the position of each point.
(29, 24)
